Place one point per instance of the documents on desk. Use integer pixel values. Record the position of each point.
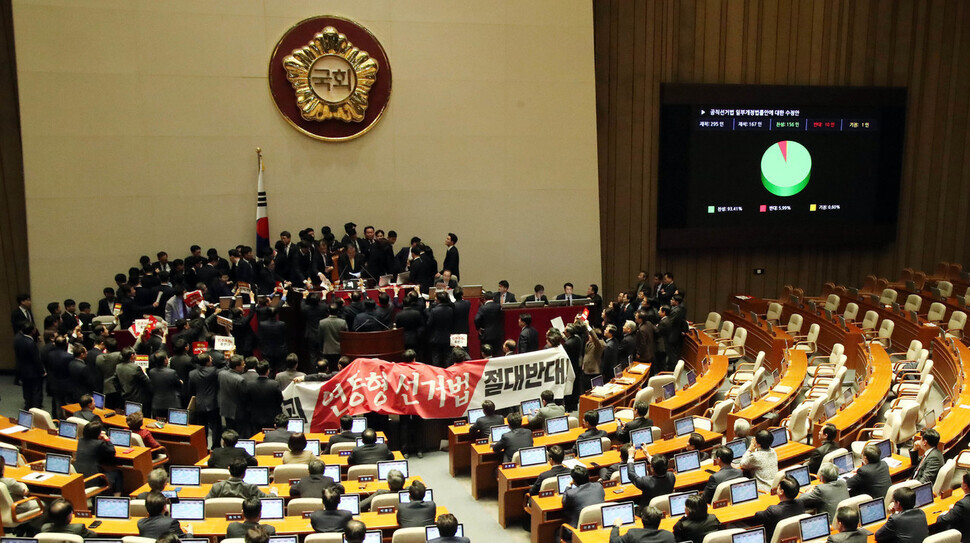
(606, 390)
(14, 429)
(892, 462)
(572, 463)
(639, 369)
(782, 389)
(37, 476)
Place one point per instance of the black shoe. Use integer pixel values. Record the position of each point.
(420, 454)
(406, 455)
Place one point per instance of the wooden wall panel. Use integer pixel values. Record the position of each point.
(924, 46)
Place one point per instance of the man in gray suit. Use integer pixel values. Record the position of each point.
(872, 477)
(825, 496)
(905, 524)
(549, 410)
(579, 495)
(329, 329)
(231, 388)
(725, 472)
(847, 523)
(930, 458)
(514, 440)
(417, 512)
(60, 514)
(107, 363)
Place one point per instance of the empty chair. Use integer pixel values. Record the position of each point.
(213, 475)
(722, 536)
(285, 472)
(888, 296)
(723, 489)
(832, 303)
(817, 360)
(81, 423)
(824, 389)
(42, 419)
(644, 395)
(409, 535)
(734, 348)
(851, 311)
(712, 323)
(798, 425)
(744, 371)
(869, 321)
(727, 330)
(665, 377)
(297, 506)
(338, 448)
(355, 472)
(936, 313)
(885, 334)
(946, 478)
(795, 322)
(909, 417)
(910, 354)
(322, 538)
(270, 448)
(391, 499)
(913, 303)
(774, 312)
(829, 369)
(589, 514)
(947, 536)
(945, 288)
(219, 507)
(662, 503)
(718, 415)
(136, 508)
(958, 321)
(58, 538)
(888, 430)
(919, 280)
(787, 528)
(807, 342)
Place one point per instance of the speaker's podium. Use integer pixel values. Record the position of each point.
(386, 344)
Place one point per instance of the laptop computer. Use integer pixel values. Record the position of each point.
(815, 527)
(11, 457)
(563, 481)
(271, 508)
(247, 445)
(495, 433)
(111, 507)
(475, 414)
(779, 437)
(605, 415)
(678, 502)
(744, 399)
(57, 463)
(530, 407)
(257, 475)
(98, 399)
(756, 535)
(872, 511)
(924, 494)
(684, 426)
(737, 447)
(383, 468)
(844, 462)
(687, 461)
(557, 425)
(67, 429)
(119, 437)
(532, 456)
(188, 509)
(669, 390)
(403, 277)
(313, 445)
(589, 447)
(132, 407)
(294, 425)
(639, 469)
(25, 419)
(744, 491)
(350, 502)
(178, 417)
(800, 475)
(404, 496)
(384, 280)
(691, 378)
(596, 381)
(185, 475)
(641, 436)
(332, 471)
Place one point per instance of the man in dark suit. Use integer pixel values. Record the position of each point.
(447, 528)
(251, 509)
(488, 321)
(519, 437)
(245, 273)
(611, 352)
(313, 485)
(644, 338)
(787, 507)
(539, 296)
(222, 457)
(30, 371)
(503, 296)
(21, 314)
(905, 524)
(579, 495)
(930, 458)
(872, 477)
(345, 435)
(350, 262)
(59, 517)
(264, 399)
(204, 385)
(157, 523)
(829, 433)
(59, 375)
(330, 519)
(279, 433)
(321, 263)
(667, 289)
(371, 452)
(301, 263)
(235, 486)
(272, 337)
(722, 460)
(528, 336)
(650, 533)
(106, 305)
(417, 512)
(451, 256)
(461, 309)
(628, 344)
(556, 455)
(567, 294)
(440, 324)
(641, 421)
(81, 381)
(313, 312)
(591, 423)
(487, 420)
(958, 517)
(847, 522)
(657, 481)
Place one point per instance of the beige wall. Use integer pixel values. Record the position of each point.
(140, 120)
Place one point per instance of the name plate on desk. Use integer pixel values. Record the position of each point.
(546, 493)
(345, 453)
(508, 465)
(720, 503)
(458, 423)
(330, 432)
(294, 481)
(588, 526)
(944, 494)
(83, 514)
(306, 514)
(365, 478)
(277, 454)
(51, 432)
(385, 510)
(234, 516)
(609, 483)
(481, 441)
(538, 433)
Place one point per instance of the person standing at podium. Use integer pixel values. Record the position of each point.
(503, 296)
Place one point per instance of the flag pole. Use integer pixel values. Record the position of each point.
(262, 222)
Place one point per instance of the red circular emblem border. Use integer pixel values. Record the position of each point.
(300, 35)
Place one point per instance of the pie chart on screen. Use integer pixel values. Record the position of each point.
(786, 168)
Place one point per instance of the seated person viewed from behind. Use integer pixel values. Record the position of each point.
(650, 532)
(760, 460)
(330, 519)
(787, 507)
(355, 532)
(222, 457)
(829, 433)
(872, 477)
(825, 496)
(234, 486)
(157, 479)
(447, 526)
(846, 525)
(905, 524)
(345, 435)
(371, 452)
(256, 535)
(487, 420)
(136, 423)
(313, 485)
(297, 453)
(87, 409)
(95, 454)
(157, 523)
(656, 482)
(696, 522)
(556, 455)
(417, 512)
(549, 410)
(59, 517)
(251, 509)
(395, 484)
(517, 438)
(641, 421)
(725, 472)
(590, 422)
(279, 434)
(580, 494)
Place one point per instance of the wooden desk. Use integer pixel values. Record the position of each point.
(693, 400)
(830, 332)
(904, 330)
(932, 511)
(270, 461)
(215, 527)
(547, 515)
(282, 488)
(134, 462)
(185, 444)
(321, 437)
(541, 320)
(955, 424)
(865, 407)
(774, 402)
(386, 344)
(69, 487)
(623, 398)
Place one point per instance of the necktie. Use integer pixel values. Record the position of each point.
(27, 314)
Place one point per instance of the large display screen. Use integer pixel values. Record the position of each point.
(754, 165)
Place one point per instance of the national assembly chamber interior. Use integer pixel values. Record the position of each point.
(589, 271)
